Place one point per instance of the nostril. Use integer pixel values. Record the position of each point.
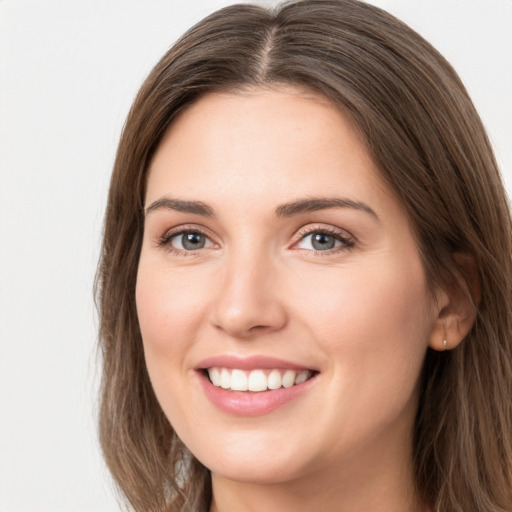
(257, 327)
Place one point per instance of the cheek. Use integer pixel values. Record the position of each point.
(168, 310)
(167, 313)
(372, 322)
(355, 300)
(169, 305)
(372, 326)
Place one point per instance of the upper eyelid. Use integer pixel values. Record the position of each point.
(323, 228)
(184, 228)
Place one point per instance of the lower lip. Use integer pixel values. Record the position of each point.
(248, 403)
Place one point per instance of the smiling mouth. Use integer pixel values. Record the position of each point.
(257, 380)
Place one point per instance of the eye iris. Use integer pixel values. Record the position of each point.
(192, 241)
(322, 241)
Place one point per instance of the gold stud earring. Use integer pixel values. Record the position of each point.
(445, 344)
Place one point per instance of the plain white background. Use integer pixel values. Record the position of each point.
(68, 74)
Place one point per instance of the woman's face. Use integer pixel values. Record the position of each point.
(274, 253)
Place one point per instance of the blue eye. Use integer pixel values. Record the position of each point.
(323, 241)
(190, 241)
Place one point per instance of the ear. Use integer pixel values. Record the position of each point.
(456, 304)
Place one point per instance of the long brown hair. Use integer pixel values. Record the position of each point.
(426, 138)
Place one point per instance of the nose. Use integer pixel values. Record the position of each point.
(248, 301)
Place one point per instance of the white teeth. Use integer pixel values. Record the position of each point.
(256, 380)
(238, 380)
(289, 378)
(302, 377)
(225, 379)
(274, 380)
(214, 374)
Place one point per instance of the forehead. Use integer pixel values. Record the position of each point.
(262, 143)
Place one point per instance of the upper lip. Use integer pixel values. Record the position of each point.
(249, 363)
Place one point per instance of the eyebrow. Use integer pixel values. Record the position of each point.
(285, 210)
(196, 207)
(321, 203)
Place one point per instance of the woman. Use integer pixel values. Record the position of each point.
(305, 280)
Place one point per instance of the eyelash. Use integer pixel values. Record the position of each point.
(347, 242)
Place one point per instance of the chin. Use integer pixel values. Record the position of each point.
(252, 461)
(265, 473)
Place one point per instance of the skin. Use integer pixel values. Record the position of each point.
(360, 314)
